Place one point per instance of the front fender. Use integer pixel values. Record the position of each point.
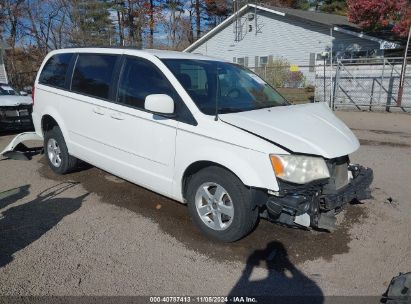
(252, 167)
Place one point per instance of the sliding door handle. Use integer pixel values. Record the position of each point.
(117, 116)
(98, 110)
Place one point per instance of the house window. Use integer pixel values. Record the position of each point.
(240, 60)
(263, 61)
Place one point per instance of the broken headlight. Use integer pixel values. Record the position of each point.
(299, 169)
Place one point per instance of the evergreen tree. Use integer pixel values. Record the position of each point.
(93, 26)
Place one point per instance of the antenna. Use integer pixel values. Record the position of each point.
(244, 23)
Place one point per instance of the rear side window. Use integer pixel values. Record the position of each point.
(93, 74)
(55, 70)
(140, 78)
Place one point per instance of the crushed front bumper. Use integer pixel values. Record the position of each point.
(16, 118)
(357, 189)
(316, 204)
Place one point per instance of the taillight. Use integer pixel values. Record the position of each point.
(32, 94)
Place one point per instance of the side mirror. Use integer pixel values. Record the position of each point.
(159, 104)
(23, 93)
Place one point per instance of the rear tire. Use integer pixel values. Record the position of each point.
(220, 204)
(58, 158)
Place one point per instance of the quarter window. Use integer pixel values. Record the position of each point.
(93, 74)
(140, 78)
(55, 70)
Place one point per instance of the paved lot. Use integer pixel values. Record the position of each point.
(90, 233)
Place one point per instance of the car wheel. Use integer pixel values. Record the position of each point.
(220, 204)
(58, 158)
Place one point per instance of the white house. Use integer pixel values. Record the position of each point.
(3, 74)
(255, 34)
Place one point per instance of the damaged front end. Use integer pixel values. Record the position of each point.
(315, 204)
(16, 117)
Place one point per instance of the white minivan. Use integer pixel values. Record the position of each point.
(201, 131)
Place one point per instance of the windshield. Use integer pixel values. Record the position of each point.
(235, 89)
(6, 90)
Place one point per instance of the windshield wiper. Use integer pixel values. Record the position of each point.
(271, 106)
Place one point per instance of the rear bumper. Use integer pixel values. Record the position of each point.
(16, 118)
(16, 149)
(314, 204)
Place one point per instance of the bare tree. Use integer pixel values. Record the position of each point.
(198, 18)
(47, 23)
(13, 14)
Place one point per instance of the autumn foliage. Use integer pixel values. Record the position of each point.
(381, 14)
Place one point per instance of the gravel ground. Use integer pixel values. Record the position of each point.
(90, 233)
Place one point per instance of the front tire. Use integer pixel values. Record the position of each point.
(58, 158)
(220, 204)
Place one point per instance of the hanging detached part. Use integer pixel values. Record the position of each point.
(18, 151)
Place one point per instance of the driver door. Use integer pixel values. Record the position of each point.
(143, 143)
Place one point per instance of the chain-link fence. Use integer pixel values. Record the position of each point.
(371, 84)
(364, 84)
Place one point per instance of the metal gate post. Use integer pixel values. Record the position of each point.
(336, 85)
(382, 82)
(372, 94)
(390, 91)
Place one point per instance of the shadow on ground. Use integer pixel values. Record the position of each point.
(12, 195)
(281, 278)
(25, 223)
(173, 218)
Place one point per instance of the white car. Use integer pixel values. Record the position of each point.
(201, 131)
(15, 109)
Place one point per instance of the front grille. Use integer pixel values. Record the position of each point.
(16, 117)
(338, 168)
(341, 175)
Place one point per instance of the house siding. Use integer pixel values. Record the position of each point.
(281, 36)
(3, 75)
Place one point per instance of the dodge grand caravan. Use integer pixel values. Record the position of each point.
(201, 131)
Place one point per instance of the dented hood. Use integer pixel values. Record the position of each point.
(308, 128)
(14, 100)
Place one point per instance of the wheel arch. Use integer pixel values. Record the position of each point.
(51, 118)
(47, 123)
(196, 167)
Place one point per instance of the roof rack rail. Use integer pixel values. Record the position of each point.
(104, 47)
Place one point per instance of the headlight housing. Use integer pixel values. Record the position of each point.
(299, 169)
